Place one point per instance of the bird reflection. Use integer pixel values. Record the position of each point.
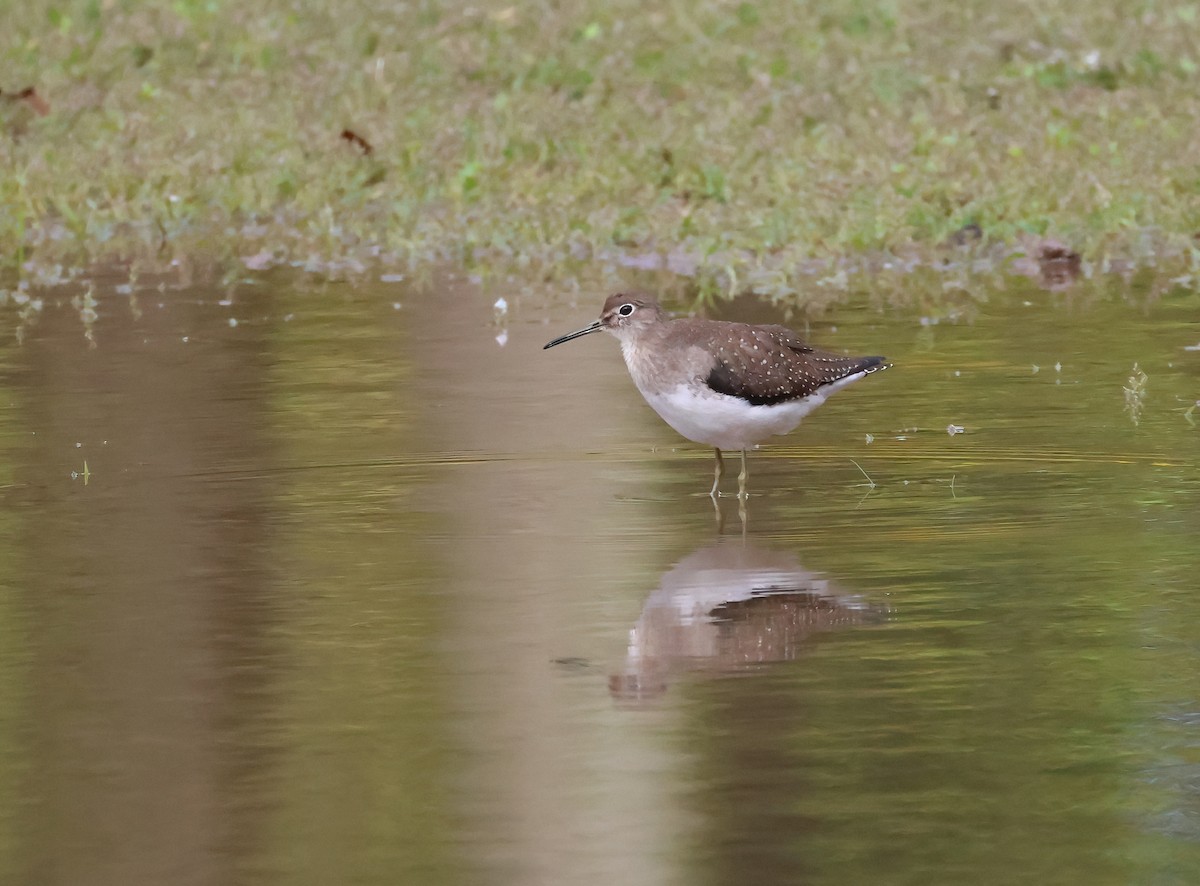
(728, 607)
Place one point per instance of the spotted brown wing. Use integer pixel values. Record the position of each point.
(765, 365)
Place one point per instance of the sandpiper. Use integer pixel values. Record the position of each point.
(727, 385)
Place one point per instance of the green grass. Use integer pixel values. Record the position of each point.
(754, 142)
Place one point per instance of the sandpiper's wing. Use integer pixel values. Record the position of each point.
(764, 365)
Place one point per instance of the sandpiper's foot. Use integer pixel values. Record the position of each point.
(720, 470)
(742, 479)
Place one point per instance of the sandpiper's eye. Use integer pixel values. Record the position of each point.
(625, 310)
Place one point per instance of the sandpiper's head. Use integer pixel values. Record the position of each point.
(625, 316)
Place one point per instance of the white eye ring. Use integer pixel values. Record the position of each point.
(625, 310)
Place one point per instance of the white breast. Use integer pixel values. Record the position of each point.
(704, 416)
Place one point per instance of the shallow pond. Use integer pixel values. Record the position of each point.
(359, 585)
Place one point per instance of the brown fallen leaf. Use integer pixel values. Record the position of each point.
(1054, 264)
(29, 95)
(1056, 250)
(1059, 263)
(358, 141)
(966, 235)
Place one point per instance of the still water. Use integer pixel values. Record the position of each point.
(359, 585)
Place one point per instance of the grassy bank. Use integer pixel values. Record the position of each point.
(743, 140)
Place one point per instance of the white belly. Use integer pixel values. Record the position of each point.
(725, 422)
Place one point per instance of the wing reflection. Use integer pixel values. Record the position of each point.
(727, 607)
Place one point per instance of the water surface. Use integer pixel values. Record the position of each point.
(358, 585)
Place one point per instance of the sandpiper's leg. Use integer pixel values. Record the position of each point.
(717, 473)
(742, 478)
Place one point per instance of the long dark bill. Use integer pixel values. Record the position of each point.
(593, 327)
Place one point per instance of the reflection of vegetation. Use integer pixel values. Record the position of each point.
(85, 303)
(742, 140)
(1135, 393)
(28, 310)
